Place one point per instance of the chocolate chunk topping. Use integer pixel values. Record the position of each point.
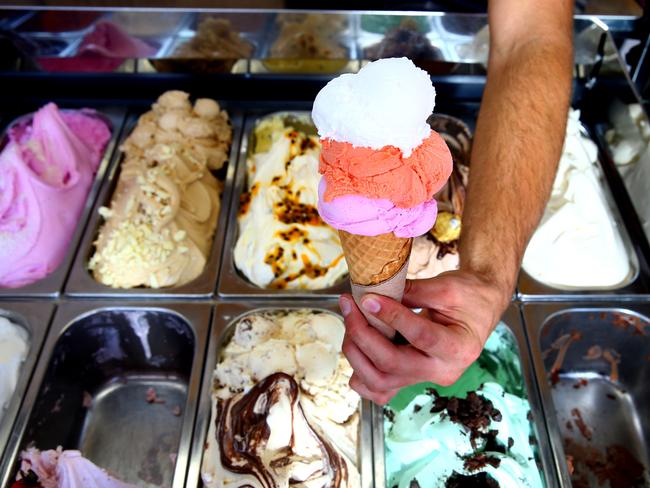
(389, 413)
(479, 480)
(478, 461)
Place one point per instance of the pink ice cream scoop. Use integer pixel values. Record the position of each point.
(46, 171)
(361, 215)
(67, 469)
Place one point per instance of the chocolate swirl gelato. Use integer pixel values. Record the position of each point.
(283, 413)
(265, 434)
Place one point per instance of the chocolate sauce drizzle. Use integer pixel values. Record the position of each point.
(242, 434)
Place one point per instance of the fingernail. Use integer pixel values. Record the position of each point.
(370, 305)
(344, 304)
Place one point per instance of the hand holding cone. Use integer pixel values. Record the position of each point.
(381, 165)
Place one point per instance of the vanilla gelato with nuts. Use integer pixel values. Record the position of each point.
(159, 227)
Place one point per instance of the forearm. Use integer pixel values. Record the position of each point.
(518, 142)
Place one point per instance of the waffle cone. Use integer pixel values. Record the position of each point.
(373, 260)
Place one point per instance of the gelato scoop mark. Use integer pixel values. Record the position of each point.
(282, 410)
(561, 345)
(264, 433)
(46, 172)
(159, 228)
(62, 469)
(297, 249)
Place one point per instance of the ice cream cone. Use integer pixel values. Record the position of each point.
(378, 265)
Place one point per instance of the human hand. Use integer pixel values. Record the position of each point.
(460, 310)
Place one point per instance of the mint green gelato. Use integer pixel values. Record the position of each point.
(425, 442)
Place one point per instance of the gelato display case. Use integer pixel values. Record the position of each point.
(179, 323)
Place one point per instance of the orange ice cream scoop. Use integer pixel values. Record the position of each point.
(385, 173)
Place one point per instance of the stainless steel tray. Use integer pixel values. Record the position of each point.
(52, 284)
(426, 23)
(35, 319)
(614, 411)
(167, 61)
(90, 389)
(225, 316)
(306, 66)
(512, 319)
(81, 282)
(635, 284)
(232, 283)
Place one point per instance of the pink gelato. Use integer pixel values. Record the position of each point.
(46, 171)
(360, 215)
(107, 39)
(66, 469)
(103, 49)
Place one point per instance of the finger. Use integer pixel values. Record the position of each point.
(375, 380)
(387, 357)
(434, 339)
(380, 398)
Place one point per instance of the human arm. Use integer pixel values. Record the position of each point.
(517, 146)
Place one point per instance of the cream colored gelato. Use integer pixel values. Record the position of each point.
(430, 258)
(629, 143)
(281, 388)
(159, 228)
(14, 345)
(578, 244)
(283, 242)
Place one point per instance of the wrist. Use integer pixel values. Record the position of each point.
(500, 281)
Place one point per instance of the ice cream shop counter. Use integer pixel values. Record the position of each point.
(170, 264)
